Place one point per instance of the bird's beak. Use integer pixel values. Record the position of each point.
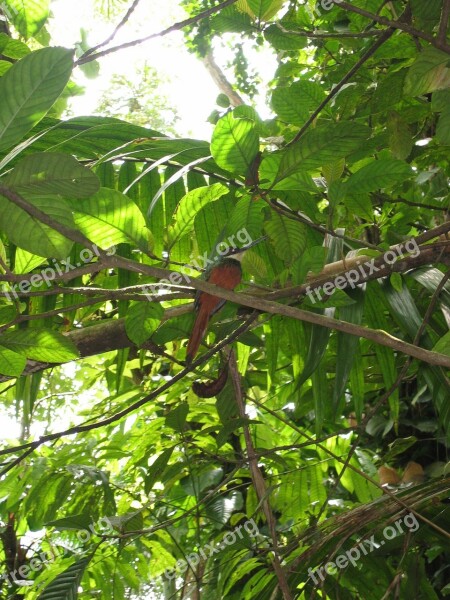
(237, 251)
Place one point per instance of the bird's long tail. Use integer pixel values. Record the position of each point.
(198, 333)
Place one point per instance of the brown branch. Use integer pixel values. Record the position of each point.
(220, 80)
(257, 478)
(379, 337)
(176, 27)
(342, 461)
(443, 25)
(37, 213)
(145, 400)
(416, 33)
(109, 39)
(333, 35)
(331, 272)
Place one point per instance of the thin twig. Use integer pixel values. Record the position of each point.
(116, 30)
(333, 35)
(176, 27)
(416, 33)
(364, 58)
(139, 403)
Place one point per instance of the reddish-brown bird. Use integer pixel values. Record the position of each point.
(226, 274)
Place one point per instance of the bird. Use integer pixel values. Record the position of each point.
(226, 273)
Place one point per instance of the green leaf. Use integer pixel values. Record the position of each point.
(378, 174)
(12, 48)
(74, 522)
(52, 173)
(359, 205)
(294, 104)
(269, 168)
(25, 262)
(156, 470)
(29, 16)
(284, 41)
(109, 218)
(235, 144)
(443, 345)
(141, 320)
(190, 205)
(443, 127)
(11, 363)
(247, 215)
(177, 417)
(4, 66)
(318, 342)
(44, 345)
(321, 146)
(32, 235)
(65, 586)
(288, 236)
(429, 72)
(347, 346)
(231, 19)
(29, 89)
(400, 138)
(264, 10)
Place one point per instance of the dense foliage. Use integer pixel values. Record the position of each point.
(310, 458)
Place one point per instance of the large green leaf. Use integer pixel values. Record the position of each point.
(263, 10)
(142, 319)
(29, 16)
(65, 586)
(321, 146)
(29, 89)
(235, 144)
(347, 346)
(294, 104)
(288, 236)
(109, 218)
(190, 205)
(11, 363)
(51, 173)
(12, 48)
(44, 345)
(430, 72)
(270, 167)
(30, 234)
(379, 174)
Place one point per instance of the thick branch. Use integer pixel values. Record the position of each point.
(220, 80)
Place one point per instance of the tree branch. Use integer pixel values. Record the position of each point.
(364, 58)
(176, 27)
(109, 39)
(417, 33)
(220, 80)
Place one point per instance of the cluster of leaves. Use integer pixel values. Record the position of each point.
(177, 477)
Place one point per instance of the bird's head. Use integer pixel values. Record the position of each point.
(238, 253)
